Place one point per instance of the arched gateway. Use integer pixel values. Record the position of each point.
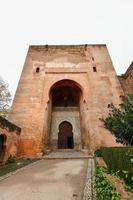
(65, 131)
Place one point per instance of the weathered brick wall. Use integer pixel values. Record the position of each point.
(126, 80)
(11, 134)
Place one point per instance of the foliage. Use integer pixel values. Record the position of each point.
(120, 120)
(128, 187)
(120, 162)
(11, 159)
(104, 189)
(10, 167)
(5, 98)
(98, 153)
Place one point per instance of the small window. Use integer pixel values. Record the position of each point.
(46, 47)
(37, 70)
(93, 58)
(94, 69)
(85, 47)
(109, 105)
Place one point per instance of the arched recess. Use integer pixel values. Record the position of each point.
(65, 136)
(65, 105)
(2, 146)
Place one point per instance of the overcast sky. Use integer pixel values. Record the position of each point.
(28, 22)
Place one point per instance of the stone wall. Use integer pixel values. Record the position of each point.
(126, 80)
(11, 134)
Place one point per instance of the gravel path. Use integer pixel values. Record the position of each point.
(89, 190)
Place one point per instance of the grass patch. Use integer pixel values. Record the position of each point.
(14, 164)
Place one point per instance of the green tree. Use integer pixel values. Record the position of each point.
(120, 120)
(5, 98)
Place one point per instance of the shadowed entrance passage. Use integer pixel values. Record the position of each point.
(65, 136)
(65, 101)
(2, 146)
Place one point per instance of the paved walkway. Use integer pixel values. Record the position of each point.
(54, 179)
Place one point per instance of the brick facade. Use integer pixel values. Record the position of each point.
(87, 70)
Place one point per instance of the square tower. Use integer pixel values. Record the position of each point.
(62, 93)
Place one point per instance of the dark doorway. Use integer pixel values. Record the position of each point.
(65, 100)
(65, 94)
(65, 136)
(2, 147)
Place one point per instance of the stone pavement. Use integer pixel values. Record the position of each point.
(51, 179)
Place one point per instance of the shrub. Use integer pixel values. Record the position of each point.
(104, 189)
(98, 153)
(120, 120)
(120, 161)
(11, 159)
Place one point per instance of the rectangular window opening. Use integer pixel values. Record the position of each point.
(94, 69)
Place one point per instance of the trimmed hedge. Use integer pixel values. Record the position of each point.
(120, 160)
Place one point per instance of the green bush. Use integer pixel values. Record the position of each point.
(120, 161)
(11, 159)
(104, 189)
(120, 120)
(98, 153)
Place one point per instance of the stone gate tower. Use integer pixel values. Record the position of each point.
(62, 93)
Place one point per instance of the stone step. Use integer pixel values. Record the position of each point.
(66, 154)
